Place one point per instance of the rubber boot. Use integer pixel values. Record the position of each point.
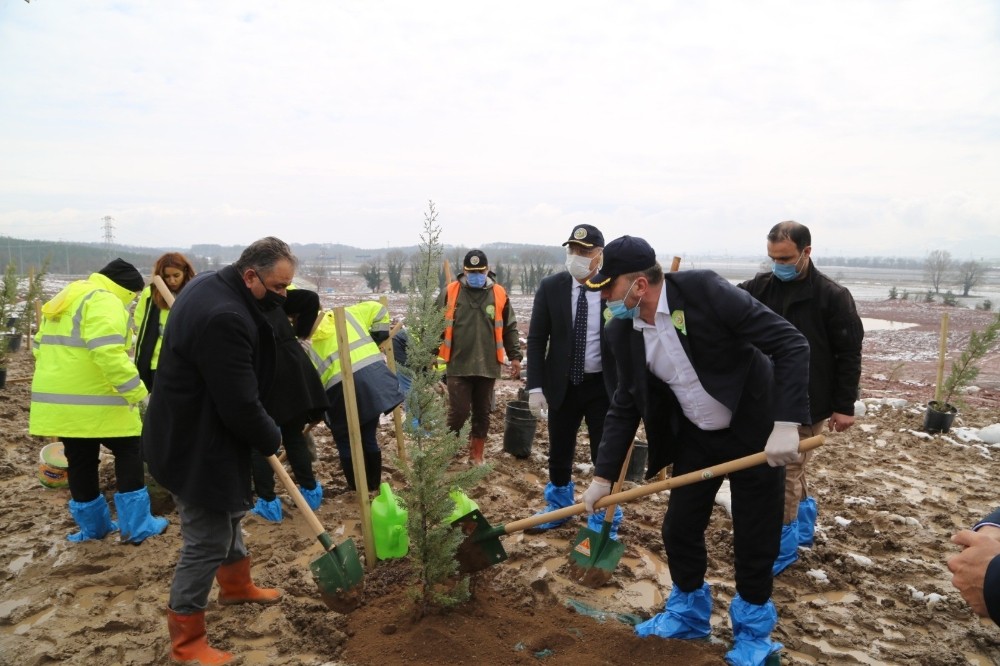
(268, 509)
(348, 465)
(373, 469)
(93, 519)
(556, 497)
(595, 521)
(313, 497)
(134, 517)
(188, 642)
(686, 615)
(788, 552)
(476, 447)
(752, 627)
(236, 587)
(807, 521)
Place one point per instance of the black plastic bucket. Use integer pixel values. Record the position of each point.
(13, 341)
(936, 420)
(519, 429)
(637, 465)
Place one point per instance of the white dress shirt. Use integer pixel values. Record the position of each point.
(592, 362)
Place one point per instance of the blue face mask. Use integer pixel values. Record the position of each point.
(786, 272)
(618, 309)
(476, 280)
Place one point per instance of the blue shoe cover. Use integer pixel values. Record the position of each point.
(752, 627)
(686, 615)
(557, 497)
(268, 510)
(136, 521)
(595, 521)
(313, 497)
(788, 552)
(807, 521)
(93, 519)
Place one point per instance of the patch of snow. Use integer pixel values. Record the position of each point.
(859, 409)
(868, 427)
(867, 501)
(861, 559)
(819, 575)
(920, 433)
(585, 469)
(966, 434)
(843, 522)
(879, 443)
(990, 434)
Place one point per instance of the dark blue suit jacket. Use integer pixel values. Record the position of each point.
(746, 357)
(550, 338)
(991, 585)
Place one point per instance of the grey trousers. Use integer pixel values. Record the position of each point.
(211, 538)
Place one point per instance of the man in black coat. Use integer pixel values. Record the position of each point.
(715, 375)
(217, 359)
(565, 373)
(825, 313)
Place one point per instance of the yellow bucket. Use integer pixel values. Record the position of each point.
(52, 466)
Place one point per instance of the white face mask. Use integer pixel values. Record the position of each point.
(578, 266)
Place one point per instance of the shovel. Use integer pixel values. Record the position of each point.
(482, 548)
(338, 572)
(595, 554)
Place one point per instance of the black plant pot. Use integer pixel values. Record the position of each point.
(938, 417)
(13, 341)
(3, 377)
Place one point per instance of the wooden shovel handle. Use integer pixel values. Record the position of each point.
(658, 486)
(300, 501)
(609, 515)
(161, 287)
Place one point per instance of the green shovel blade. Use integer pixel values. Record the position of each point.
(596, 549)
(338, 574)
(481, 547)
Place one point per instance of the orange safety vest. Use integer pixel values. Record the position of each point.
(499, 302)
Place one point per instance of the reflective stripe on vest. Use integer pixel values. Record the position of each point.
(324, 364)
(499, 302)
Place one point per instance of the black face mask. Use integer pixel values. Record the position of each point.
(272, 301)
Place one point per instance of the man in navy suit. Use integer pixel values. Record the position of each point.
(560, 332)
(714, 375)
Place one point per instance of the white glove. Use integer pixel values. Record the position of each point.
(538, 405)
(783, 444)
(596, 491)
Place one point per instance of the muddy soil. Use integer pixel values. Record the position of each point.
(873, 590)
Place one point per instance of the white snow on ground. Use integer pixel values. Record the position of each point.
(840, 520)
(861, 559)
(819, 575)
(868, 501)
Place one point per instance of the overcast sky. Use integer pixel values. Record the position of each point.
(694, 125)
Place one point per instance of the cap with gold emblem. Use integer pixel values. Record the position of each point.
(475, 260)
(586, 235)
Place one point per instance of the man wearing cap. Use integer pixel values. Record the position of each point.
(479, 327)
(86, 391)
(565, 377)
(714, 375)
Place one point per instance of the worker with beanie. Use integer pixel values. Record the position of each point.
(86, 391)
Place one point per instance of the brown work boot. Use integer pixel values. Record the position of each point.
(236, 587)
(476, 446)
(188, 643)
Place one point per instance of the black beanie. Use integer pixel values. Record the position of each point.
(124, 274)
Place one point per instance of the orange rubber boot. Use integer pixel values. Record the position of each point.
(236, 587)
(188, 643)
(476, 446)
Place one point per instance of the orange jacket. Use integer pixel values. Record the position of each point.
(499, 301)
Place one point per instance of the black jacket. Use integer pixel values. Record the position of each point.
(746, 357)
(216, 360)
(991, 583)
(550, 338)
(825, 313)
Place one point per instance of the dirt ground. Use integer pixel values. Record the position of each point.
(873, 590)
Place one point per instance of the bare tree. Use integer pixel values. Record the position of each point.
(395, 262)
(936, 267)
(970, 273)
(536, 265)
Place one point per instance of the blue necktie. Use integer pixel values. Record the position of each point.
(579, 339)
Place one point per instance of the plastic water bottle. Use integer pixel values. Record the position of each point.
(389, 525)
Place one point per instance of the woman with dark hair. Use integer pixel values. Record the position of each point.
(152, 309)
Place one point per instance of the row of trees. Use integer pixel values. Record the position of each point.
(942, 270)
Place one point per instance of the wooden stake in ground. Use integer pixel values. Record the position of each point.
(390, 360)
(448, 277)
(354, 430)
(942, 352)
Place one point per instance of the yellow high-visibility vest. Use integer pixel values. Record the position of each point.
(361, 318)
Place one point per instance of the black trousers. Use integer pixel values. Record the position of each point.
(297, 451)
(342, 436)
(758, 501)
(83, 456)
(587, 400)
